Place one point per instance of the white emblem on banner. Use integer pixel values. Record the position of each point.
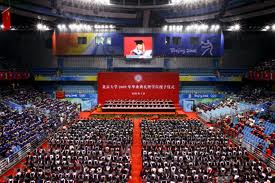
(138, 78)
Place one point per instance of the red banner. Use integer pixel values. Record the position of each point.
(10, 75)
(2, 76)
(138, 86)
(60, 94)
(6, 19)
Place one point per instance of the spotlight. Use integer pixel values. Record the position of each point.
(42, 27)
(39, 26)
(103, 2)
(61, 26)
(173, 2)
(203, 27)
(215, 28)
(72, 26)
(2, 26)
(179, 2)
(273, 27)
(165, 28)
(198, 28)
(170, 27)
(266, 28)
(236, 27)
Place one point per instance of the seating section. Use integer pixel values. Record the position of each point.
(81, 89)
(265, 71)
(186, 151)
(20, 129)
(38, 117)
(245, 100)
(198, 89)
(88, 151)
(139, 105)
(255, 129)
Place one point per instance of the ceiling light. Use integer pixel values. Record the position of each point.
(236, 27)
(39, 26)
(103, 2)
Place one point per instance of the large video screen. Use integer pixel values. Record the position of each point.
(138, 47)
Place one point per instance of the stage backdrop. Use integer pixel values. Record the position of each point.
(142, 86)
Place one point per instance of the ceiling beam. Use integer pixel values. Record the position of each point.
(192, 19)
(248, 15)
(249, 8)
(223, 8)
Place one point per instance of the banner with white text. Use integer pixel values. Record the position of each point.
(138, 86)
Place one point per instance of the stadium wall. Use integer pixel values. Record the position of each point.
(246, 49)
(27, 49)
(34, 50)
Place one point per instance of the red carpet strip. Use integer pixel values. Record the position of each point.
(136, 159)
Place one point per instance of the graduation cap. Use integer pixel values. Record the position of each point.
(139, 42)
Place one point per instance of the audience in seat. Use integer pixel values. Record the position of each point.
(88, 151)
(245, 100)
(265, 71)
(41, 117)
(255, 128)
(187, 151)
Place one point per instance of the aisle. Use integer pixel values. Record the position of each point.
(136, 159)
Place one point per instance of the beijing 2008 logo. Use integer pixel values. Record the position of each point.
(138, 78)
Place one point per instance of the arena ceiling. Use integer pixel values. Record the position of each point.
(143, 13)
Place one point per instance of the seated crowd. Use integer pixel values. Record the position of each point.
(253, 127)
(264, 71)
(35, 122)
(39, 99)
(246, 95)
(88, 151)
(187, 151)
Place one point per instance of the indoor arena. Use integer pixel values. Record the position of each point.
(137, 91)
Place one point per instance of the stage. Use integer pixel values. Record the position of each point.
(171, 110)
(94, 113)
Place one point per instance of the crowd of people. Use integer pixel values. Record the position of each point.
(87, 151)
(258, 123)
(42, 116)
(187, 151)
(265, 71)
(255, 95)
(246, 99)
(247, 94)
(173, 150)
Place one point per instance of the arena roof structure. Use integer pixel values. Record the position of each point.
(144, 13)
